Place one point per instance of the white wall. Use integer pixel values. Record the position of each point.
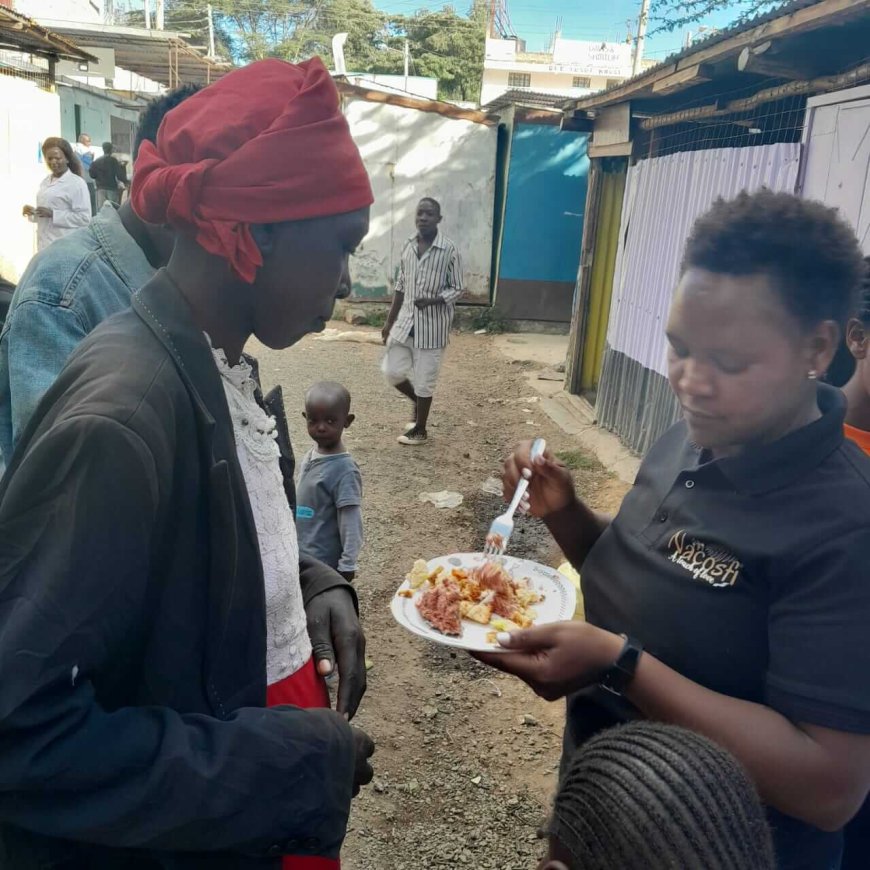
(27, 116)
(836, 159)
(411, 154)
(85, 11)
(418, 86)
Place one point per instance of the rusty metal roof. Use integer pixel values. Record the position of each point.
(529, 99)
(783, 21)
(21, 33)
(161, 55)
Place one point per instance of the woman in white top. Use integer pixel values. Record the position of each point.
(62, 202)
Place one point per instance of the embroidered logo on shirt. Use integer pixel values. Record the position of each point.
(304, 513)
(713, 565)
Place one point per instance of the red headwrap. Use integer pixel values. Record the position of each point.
(265, 144)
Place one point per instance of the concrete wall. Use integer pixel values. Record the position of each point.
(543, 222)
(410, 154)
(96, 112)
(27, 116)
(85, 11)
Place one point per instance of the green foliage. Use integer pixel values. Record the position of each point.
(447, 46)
(443, 43)
(579, 460)
(670, 15)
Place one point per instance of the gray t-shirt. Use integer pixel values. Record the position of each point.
(328, 513)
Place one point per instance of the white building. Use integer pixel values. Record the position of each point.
(572, 68)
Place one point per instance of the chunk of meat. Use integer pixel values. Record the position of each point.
(439, 606)
(496, 580)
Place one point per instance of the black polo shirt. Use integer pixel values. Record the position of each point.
(751, 576)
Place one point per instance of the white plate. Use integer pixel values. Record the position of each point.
(560, 599)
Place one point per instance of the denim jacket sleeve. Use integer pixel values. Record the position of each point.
(38, 340)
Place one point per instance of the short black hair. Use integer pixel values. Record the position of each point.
(647, 796)
(333, 391)
(809, 253)
(433, 201)
(152, 115)
(108, 147)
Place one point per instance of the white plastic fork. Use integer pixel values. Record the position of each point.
(503, 525)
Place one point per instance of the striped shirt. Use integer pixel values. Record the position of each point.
(438, 273)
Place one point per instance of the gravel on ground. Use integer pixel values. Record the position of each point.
(466, 758)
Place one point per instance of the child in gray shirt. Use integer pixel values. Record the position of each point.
(329, 491)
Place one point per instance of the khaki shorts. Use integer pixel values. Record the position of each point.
(404, 362)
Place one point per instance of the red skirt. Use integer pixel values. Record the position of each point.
(304, 689)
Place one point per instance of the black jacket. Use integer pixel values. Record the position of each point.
(132, 627)
(107, 171)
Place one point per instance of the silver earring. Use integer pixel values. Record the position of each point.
(812, 374)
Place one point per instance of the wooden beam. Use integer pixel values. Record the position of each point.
(616, 149)
(752, 62)
(579, 316)
(684, 78)
(768, 95)
(681, 117)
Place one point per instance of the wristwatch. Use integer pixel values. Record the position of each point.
(621, 672)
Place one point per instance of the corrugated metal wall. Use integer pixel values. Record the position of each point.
(663, 198)
(601, 284)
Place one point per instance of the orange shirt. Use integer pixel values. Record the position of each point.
(859, 436)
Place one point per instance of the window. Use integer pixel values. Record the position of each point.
(519, 80)
(581, 82)
(612, 83)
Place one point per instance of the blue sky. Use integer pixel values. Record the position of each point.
(534, 20)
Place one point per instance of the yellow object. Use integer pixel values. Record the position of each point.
(566, 569)
(601, 285)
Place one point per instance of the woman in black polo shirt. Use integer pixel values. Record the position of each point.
(731, 594)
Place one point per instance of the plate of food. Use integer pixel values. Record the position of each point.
(464, 601)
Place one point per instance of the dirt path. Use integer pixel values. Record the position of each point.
(465, 759)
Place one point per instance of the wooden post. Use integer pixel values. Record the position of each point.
(574, 360)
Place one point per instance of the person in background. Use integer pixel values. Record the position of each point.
(418, 326)
(85, 153)
(71, 287)
(150, 595)
(62, 201)
(109, 175)
(646, 796)
(729, 595)
(856, 855)
(857, 389)
(329, 491)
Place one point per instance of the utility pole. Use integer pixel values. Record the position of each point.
(642, 20)
(407, 54)
(147, 14)
(160, 16)
(210, 31)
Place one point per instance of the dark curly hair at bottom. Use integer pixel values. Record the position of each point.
(646, 796)
(808, 251)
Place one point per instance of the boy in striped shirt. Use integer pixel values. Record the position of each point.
(418, 326)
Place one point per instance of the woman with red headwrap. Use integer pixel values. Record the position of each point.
(150, 584)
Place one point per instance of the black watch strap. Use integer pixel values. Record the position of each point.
(621, 672)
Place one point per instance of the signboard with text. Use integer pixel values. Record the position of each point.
(610, 59)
